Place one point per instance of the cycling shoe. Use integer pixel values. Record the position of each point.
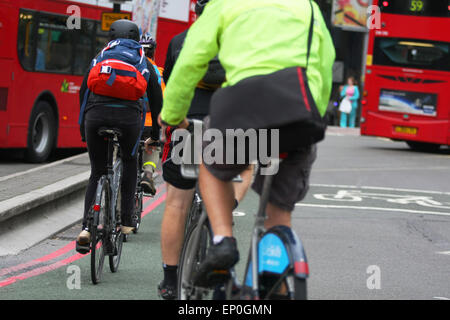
(167, 292)
(219, 259)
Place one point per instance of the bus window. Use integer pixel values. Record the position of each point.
(54, 45)
(101, 39)
(420, 54)
(84, 54)
(26, 40)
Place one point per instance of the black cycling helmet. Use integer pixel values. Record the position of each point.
(200, 5)
(125, 29)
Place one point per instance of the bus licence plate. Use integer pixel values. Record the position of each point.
(406, 130)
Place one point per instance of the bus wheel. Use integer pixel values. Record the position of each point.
(423, 146)
(41, 133)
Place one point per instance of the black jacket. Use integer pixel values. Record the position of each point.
(200, 103)
(154, 95)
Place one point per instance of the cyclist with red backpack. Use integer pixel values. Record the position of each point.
(111, 95)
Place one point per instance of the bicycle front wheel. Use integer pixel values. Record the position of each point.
(138, 210)
(198, 240)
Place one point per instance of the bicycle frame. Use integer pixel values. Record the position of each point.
(287, 253)
(279, 245)
(113, 178)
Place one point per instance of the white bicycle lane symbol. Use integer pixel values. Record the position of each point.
(359, 196)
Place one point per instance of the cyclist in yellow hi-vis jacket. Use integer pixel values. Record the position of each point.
(281, 46)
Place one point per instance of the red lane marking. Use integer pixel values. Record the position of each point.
(38, 271)
(154, 205)
(57, 253)
(50, 256)
(61, 263)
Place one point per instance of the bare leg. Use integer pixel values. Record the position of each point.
(218, 197)
(241, 188)
(277, 216)
(172, 228)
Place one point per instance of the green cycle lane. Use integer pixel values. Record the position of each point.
(140, 268)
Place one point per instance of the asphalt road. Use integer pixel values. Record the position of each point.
(375, 225)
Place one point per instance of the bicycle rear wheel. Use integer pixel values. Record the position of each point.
(192, 255)
(98, 233)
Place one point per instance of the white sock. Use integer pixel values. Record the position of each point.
(217, 239)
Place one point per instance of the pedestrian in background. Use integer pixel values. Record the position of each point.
(350, 92)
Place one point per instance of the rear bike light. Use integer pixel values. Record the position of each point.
(96, 208)
(301, 267)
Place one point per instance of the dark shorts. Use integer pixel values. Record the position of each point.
(290, 183)
(171, 171)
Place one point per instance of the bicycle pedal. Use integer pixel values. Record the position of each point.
(110, 250)
(217, 277)
(83, 249)
(148, 195)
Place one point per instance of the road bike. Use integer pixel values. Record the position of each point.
(104, 216)
(276, 267)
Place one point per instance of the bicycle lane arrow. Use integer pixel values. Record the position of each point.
(149, 204)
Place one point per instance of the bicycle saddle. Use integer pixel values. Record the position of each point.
(109, 132)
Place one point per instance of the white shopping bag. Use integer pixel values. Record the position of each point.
(345, 106)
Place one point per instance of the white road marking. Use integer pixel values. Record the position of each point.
(238, 213)
(441, 298)
(385, 139)
(444, 252)
(371, 208)
(379, 188)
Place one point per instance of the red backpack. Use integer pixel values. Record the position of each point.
(120, 71)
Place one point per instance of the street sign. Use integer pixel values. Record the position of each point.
(109, 17)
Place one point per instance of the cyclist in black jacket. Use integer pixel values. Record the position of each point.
(180, 190)
(102, 111)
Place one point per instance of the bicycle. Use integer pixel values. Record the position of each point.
(140, 194)
(277, 260)
(104, 216)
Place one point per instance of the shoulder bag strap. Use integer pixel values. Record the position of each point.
(310, 34)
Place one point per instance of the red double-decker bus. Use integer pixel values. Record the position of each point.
(42, 63)
(406, 95)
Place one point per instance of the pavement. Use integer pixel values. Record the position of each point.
(31, 202)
